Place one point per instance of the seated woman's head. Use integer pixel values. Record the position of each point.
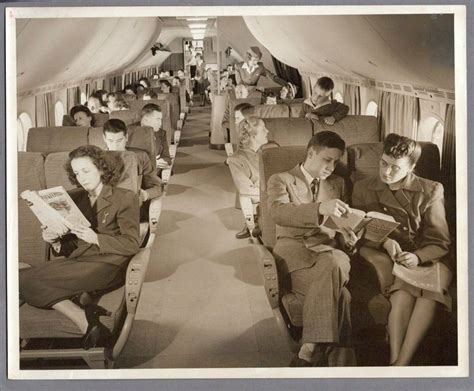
(81, 115)
(144, 82)
(399, 158)
(323, 88)
(103, 95)
(165, 86)
(241, 91)
(288, 91)
(95, 102)
(116, 101)
(89, 167)
(243, 110)
(129, 89)
(252, 133)
(149, 95)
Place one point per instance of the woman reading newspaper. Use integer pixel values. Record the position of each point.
(95, 257)
(422, 238)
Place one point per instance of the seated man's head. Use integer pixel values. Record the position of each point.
(149, 94)
(230, 68)
(165, 86)
(271, 99)
(241, 91)
(81, 115)
(252, 133)
(94, 103)
(176, 81)
(243, 110)
(322, 88)
(152, 116)
(129, 90)
(253, 56)
(324, 151)
(115, 135)
(399, 158)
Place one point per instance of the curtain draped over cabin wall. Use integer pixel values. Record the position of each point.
(448, 164)
(174, 62)
(398, 114)
(44, 104)
(289, 74)
(73, 97)
(307, 87)
(351, 97)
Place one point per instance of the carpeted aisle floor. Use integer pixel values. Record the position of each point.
(203, 304)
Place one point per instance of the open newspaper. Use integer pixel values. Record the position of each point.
(54, 208)
(436, 277)
(377, 225)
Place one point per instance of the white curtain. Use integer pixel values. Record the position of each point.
(351, 97)
(44, 104)
(398, 114)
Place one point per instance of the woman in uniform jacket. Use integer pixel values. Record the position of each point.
(200, 79)
(421, 238)
(95, 257)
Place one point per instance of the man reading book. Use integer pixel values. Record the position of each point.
(299, 200)
(421, 239)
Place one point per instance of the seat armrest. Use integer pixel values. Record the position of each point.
(381, 263)
(267, 265)
(135, 276)
(229, 149)
(177, 136)
(154, 212)
(248, 211)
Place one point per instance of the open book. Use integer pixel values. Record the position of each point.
(435, 277)
(54, 208)
(377, 225)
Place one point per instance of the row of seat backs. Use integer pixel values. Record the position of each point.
(360, 161)
(36, 172)
(98, 119)
(48, 140)
(354, 129)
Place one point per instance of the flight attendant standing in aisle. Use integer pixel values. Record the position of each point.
(249, 72)
(200, 79)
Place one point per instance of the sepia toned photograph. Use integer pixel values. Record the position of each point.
(236, 192)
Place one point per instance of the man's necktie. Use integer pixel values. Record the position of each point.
(314, 188)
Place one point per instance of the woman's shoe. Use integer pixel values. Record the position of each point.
(97, 333)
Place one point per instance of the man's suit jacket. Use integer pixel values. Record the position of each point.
(297, 217)
(149, 180)
(418, 205)
(116, 222)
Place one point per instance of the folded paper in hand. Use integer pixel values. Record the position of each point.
(377, 225)
(435, 277)
(54, 208)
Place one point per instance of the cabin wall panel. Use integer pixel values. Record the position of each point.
(367, 95)
(432, 109)
(27, 105)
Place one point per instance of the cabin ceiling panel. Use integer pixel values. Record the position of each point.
(414, 49)
(51, 51)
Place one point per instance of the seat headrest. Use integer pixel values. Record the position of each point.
(289, 131)
(129, 117)
(354, 129)
(272, 111)
(56, 139)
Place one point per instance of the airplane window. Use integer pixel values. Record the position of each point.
(23, 125)
(432, 129)
(338, 97)
(371, 109)
(58, 113)
(83, 98)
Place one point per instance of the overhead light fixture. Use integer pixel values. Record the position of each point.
(195, 19)
(198, 37)
(197, 25)
(198, 31)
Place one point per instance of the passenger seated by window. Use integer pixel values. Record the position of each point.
(422, 238)
(96, 257)
(130, 90)
(243, 164)
(165, 86)
(116, 138)
(149, 95)
(81, 115)
(144, 82)
(116, 102)
(321, 105)
(96, 104)
(103, 95)
(288, 91)
(241, 111)
(152, 116)
(315, 256)
(270, 99)
(176, 81)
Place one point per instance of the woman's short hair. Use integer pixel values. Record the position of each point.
(398, 147)
(325, 83)
(98, 95)
(111, 166)
(245, 108)
(80, 109)
(248, 128)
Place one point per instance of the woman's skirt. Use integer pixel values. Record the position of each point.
(57, 280)
(443, 298)
(200, 86)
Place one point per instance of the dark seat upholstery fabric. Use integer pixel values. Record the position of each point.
(289, 131)
(354, 129)
(56, 138)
